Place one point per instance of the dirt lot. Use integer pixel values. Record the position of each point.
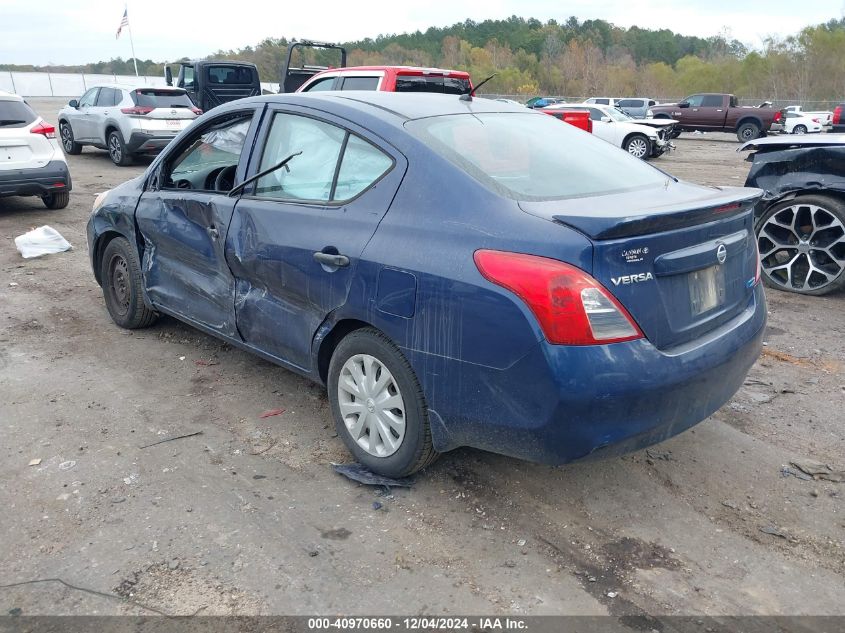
(249, 518)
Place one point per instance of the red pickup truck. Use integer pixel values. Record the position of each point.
(579, 118)
(714, 112)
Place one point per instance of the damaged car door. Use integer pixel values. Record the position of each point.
(183, 217)
(298, 232)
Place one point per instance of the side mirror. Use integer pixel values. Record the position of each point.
(606, 119)
(683, 104)
(73, 103)
(168, 75)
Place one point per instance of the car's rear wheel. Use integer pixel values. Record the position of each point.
(56, 200)
(799, 129)
(637, 145)
(802, 245)
(120, 274)
(378, 405)
(748, 132)
(117, 149)
(68, 144)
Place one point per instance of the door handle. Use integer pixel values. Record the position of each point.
(331, 259)
(213, 233)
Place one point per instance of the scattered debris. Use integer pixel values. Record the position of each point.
(730, 504)
(118, 500)
(612, 594)
(312, 553)
(265, 449)
(131, 479)
(357, 472)
(786, 471)
(205, 363)
(271, 413)
(13, 284)
(377, 505)
(34, 462)
(45, 240)
(817, 470)
(170, 439)
(666, 456)
(773, 531)
(173, 565)
(521, 542)
(67, 465)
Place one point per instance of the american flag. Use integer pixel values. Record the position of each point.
(123, 22)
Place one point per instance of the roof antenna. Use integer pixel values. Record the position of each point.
(469, 94)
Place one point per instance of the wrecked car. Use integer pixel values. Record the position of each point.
(456, 271)
(800, 222)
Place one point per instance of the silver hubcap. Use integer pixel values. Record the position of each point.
(114, 148)
(371, 405)
(802, 247)
(638, 147)
(800, 130)
(66, 138)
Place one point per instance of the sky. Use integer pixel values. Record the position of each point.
(80, 31)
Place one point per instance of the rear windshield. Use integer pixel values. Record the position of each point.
(154, 98)
(533, 157)
(631, 103)
(16, 114)
(239, 75)
(428, 83)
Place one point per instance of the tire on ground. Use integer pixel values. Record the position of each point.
(120, 274)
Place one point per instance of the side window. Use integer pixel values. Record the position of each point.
(711, 101)
(105, 98)
(360, 83)
(89, 98)
(596, 114)
(602, 101)
(209, 152)
(651, 102)
(308, 176)
(695, 100)
(187, 78)
(361, 166)
(323, 84)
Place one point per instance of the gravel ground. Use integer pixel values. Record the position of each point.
(249, 518)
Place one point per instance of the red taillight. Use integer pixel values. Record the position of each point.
(137, 110)
(816, 121)
(571, 307)
(837, 114)
(590, 126)
(778, 116)
(44, 130)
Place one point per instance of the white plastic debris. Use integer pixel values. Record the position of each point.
(45, 240)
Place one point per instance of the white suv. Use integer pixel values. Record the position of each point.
(31, 160)
(128, 121)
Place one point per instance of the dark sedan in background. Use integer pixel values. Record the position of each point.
(457, 272)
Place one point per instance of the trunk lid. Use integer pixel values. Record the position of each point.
(682, 260)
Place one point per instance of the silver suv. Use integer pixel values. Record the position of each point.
(127, 121)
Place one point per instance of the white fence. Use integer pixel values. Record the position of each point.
(73, 84)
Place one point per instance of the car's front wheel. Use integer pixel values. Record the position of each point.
(68, 144)
(378, 405)
(637, 145)
(117, 149)
(802, 245)
(120, 275)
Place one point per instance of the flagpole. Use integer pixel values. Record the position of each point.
(131, 43)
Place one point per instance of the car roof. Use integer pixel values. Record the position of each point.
(395, 106)
(415, 69)
(132, 87)
(784, 142)
(9, 96)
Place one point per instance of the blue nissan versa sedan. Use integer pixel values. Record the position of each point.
(457, 272)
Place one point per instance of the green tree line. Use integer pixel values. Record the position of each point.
(577, 58)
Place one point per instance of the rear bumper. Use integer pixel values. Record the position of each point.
(838, 128)
(776, 127)
(54, 176)
(149, 143)
(559, 404)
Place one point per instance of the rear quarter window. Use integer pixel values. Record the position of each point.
(360, 83)
(229, 75)
(16, 114)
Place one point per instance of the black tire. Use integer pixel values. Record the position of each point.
(748, 132)
(120, 274)
(781, 248)
(117, 149)
(638, 145)
(416, 450)
(799, 129)
(56, 200)
(68, 144)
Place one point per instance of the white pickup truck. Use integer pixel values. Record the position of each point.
(824, 117)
